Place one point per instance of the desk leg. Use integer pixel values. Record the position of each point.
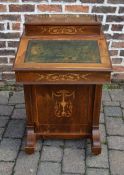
(96, 145)
(31, 141)
(31, 136)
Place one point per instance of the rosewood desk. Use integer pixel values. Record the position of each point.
(63, 62)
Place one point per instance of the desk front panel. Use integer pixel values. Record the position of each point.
(63, 108)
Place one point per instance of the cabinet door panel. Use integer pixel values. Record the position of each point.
(59, 106)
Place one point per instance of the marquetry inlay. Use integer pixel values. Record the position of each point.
(63, 103)
(62, 76)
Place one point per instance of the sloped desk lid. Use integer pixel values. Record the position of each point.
(63, 53)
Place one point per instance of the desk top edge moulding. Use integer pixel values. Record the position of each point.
(62, 59)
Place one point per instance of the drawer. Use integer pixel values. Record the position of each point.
(38, 77)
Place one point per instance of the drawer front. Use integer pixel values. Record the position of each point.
(62, 77)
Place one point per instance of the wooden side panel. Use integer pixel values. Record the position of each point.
(64, 109)
(28, 93)
(97, 105)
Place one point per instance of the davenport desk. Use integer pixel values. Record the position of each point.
(62, 62)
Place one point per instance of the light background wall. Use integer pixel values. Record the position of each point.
(14, 12)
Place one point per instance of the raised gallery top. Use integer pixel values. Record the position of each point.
(61, 19)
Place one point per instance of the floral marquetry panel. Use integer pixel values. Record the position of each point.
(56, 51)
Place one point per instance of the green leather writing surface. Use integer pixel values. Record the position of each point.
(62, 51)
